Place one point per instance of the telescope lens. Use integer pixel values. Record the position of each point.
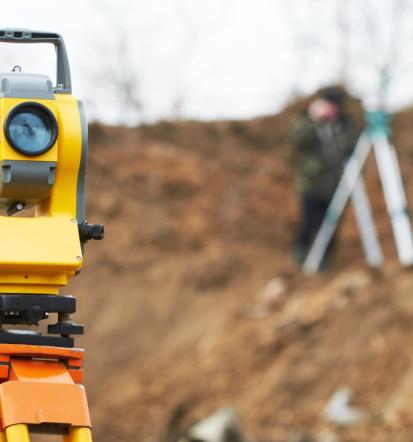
(31, 129)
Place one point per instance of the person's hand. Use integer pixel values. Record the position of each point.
(322, 111)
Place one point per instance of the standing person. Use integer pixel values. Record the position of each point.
(323, 138)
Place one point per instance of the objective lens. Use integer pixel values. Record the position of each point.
(31, 129)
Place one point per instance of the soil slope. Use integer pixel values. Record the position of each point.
(192, 302)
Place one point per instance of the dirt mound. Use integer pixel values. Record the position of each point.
(193, 301)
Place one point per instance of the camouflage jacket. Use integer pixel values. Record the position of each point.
(321, 150)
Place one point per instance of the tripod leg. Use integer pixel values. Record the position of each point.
(344, 189)
(17, 433)
(78, 434)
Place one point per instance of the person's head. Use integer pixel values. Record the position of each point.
(327, 106)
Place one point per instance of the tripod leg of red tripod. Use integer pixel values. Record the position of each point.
(78, 434)
(17, 433)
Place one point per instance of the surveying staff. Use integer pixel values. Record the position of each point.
(323, 138)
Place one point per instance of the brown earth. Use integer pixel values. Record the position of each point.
(179, 311)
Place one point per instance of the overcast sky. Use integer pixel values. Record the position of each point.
(216, 58)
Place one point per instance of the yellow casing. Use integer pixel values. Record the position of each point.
(38, 254)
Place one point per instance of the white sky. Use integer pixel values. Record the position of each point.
(216, 58)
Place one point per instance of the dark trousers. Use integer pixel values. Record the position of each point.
(313, 211)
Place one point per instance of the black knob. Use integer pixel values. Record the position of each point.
(34, 313)
(91, 231)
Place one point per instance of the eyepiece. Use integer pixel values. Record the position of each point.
(31, 129)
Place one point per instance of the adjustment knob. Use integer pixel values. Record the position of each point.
(34, 314)
(91, 231)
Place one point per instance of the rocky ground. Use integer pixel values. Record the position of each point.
(193, 303)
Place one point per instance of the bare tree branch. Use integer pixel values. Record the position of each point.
(116, 72)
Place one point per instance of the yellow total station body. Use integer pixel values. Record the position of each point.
(43, 150)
